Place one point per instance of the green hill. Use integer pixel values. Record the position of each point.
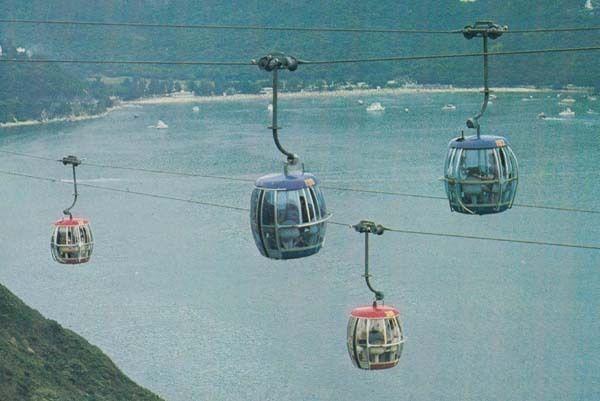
(189, 44)
(46, 91)
(41, 361)
(126, 43)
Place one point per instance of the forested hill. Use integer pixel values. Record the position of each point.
(46, 91)
(28, 92)
(41, 361)
(190, 44)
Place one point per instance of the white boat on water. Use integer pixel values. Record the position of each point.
(567, 113)
(449, 107)
(195, 109)
(592, 98)
(567, 100)
(160, 124)
(493, 97)
(360, 101)
(588, 5)
(270, 107)
(375, 106)
(542, 115)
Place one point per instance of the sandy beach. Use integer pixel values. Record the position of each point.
(337, 93)
(170, 99)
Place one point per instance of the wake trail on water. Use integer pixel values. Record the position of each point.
(94, 180)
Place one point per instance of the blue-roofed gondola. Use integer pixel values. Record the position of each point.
(287, 211)
(481, 171)
(288, 215)
(481, 174)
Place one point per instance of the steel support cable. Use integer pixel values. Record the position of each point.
(127, 191)
(549, 30)
(227, 27)
(477, 237)
(410, 195)
(136, 62)
(307, 62)
(250, 180)
(220, 205)
(278, 29)
(445, 56)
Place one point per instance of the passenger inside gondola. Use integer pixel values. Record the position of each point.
(361, 342)
(376, 336)
(492, 188)
(288, 215)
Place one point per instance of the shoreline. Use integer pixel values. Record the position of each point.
(84, 117)
(336, 93)
(166, 99)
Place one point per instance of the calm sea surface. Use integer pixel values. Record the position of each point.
(179, 297)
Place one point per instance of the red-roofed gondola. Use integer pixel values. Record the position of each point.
(72, 241)
(375, 339)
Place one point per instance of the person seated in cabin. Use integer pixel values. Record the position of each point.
(492, 188)
(361, 334)
(289, 237)
(60, 237)
(268, 211)
(376, 336)
(310, 235)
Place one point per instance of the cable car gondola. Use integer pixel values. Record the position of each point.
(481, 174)
(287, 211)
(375, 338)
(72, 241)
(481, 171)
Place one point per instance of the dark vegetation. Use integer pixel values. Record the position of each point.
(555, 70)
(41, 361)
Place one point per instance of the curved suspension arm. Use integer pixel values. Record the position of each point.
(291, 157)
(368, 227)
(474, 122)
(74, 162)
(275, 62)
(484, 29)
(378, 294)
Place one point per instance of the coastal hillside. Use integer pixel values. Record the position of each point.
(66, 41)
(42, 91)
(42, 361)
(31, 91)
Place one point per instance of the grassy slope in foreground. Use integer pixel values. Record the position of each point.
(41, 361)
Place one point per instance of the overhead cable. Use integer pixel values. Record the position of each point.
(306, 62)
(127, 191)
(126, 62)
(249, 180)
(279, 28)
(226, 27)
(224, 206)
(446, 56)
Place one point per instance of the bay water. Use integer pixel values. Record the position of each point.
(179, 297)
